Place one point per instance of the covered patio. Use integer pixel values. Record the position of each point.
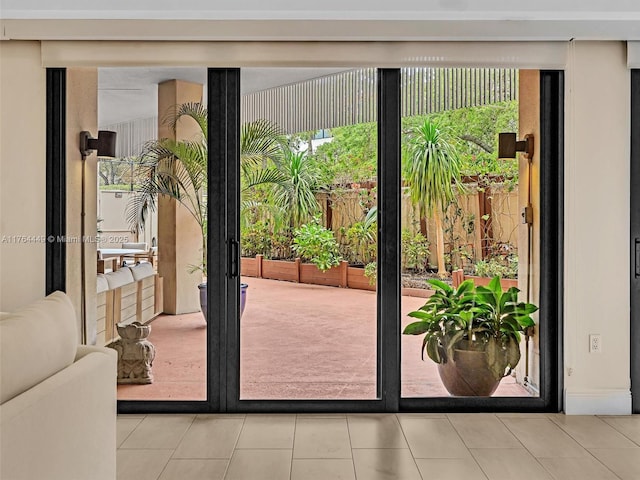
(298, 341)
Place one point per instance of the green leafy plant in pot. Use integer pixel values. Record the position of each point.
(472, 333)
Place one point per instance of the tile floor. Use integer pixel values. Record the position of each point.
(381, 446)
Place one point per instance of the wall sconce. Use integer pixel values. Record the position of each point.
(104, 145)
(508, 145)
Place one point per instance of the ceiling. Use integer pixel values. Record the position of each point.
(131, 93)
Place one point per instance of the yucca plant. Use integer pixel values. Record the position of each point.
(432, 170)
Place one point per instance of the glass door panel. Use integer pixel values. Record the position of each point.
(308, 234)
(461, 219)
(151, 222)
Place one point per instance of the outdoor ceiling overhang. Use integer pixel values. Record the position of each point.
(347, 98)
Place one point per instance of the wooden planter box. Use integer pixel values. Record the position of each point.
(334, 277)
(251, 267)
(281, 270)
(357, 279)
(458, 277)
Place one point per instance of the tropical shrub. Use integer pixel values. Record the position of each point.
(371, 272)
(315, 244)
(256, 240)
(505, 268)
(362, 238)
(415, 251)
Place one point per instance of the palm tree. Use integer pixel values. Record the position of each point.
(432, 170)
(178, 168)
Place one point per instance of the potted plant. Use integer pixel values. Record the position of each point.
(472, 333)
(177, 169)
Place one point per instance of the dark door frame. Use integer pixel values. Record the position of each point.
(551, 267)
(634, 274)
(388, 300)
(223, 334)
(388, 311)
(56, 188)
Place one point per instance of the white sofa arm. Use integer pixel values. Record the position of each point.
(64, 428)
(84, 350)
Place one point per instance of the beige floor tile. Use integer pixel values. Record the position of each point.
(322, 469)
(321, 438)
(210, 437)
(543, 438)
(481, 430)
(433, 438)
(592, 432)
(321, 415)
(520, 415)
(134, 464)
(124, 427)
(260, 464)
(375, 431)
(450, 469)
(628, 425)
(194, 469)
(158, 431)
(509, 464)
(421, 415)
(206, 416)
(624, 462)
(385, 464)
(582, 468)
(267, 431)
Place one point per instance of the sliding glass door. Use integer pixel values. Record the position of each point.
(310, 203)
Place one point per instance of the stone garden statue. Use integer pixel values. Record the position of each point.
(135, 353)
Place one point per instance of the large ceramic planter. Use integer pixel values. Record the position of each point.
(468, 374)
(203, 298)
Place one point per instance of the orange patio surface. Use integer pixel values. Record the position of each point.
(297, 341)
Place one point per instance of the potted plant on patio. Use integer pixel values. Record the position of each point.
(178, 169)
(472, 333)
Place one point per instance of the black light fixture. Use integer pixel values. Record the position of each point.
(508, 145)
(104, 145)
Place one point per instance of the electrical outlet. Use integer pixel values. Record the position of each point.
(595, 343)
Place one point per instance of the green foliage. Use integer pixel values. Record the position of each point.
(351, 156)
(177, 169)
(476, 132)
(362, 238)
(458, 234)
(295, 194)
(315, 244)
(431, 167)
(473, 318)
(415, 251)
(503, 267)
(371, 272)
(256, 240)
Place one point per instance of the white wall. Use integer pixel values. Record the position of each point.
(597, 228)
(22, 174)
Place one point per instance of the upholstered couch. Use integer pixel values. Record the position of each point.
(57, 398)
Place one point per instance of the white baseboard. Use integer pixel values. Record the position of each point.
(597, 402)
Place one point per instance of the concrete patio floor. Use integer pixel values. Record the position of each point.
(297, 341)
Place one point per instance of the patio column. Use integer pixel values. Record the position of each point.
(529, 236)
(179, 237)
